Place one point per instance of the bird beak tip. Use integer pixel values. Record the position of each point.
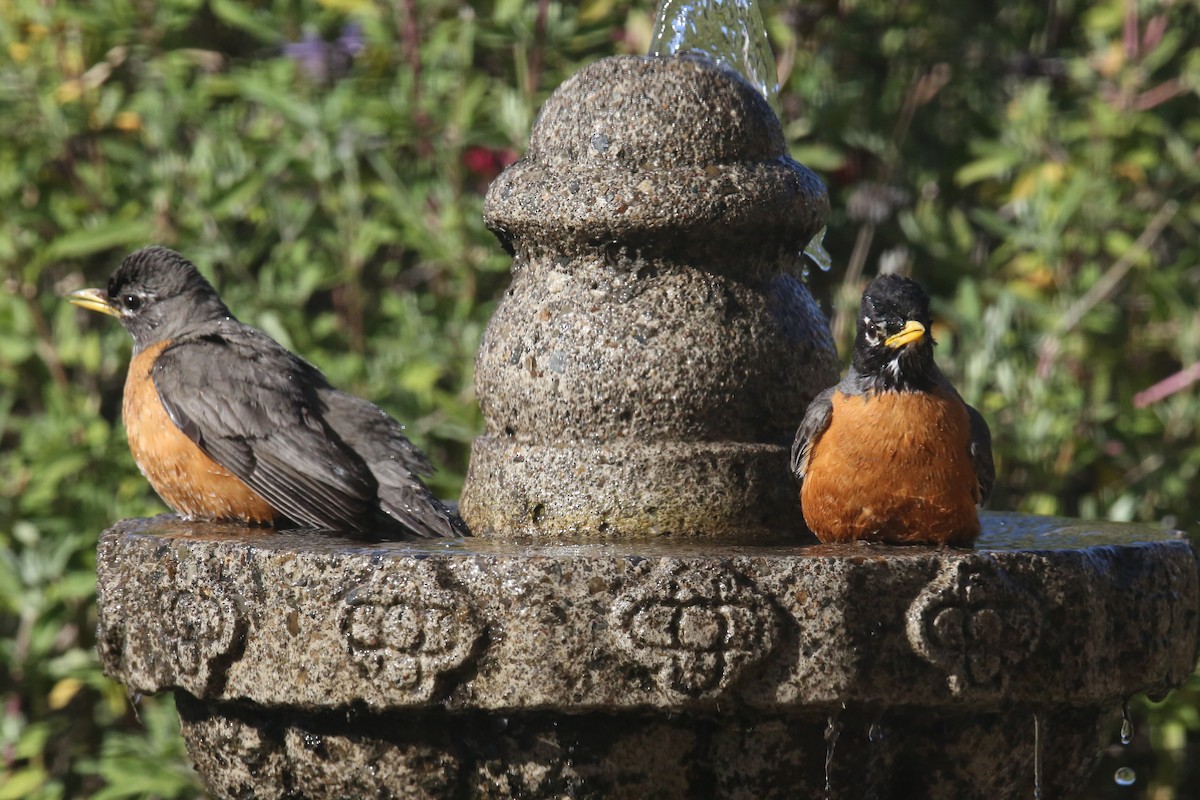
(911, 332)
(93, 300)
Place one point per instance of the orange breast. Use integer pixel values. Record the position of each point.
(184, 477)
(894, 467)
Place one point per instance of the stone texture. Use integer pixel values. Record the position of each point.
(648, 367)
(311, 666)
(873, 755)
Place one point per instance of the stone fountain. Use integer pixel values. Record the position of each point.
(640, 614)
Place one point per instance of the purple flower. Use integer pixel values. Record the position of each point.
(351, 41)
(323, 61)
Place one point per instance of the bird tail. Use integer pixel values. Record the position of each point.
(405, 502)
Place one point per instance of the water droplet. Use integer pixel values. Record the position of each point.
(730, 32)
(1126, 725)
(816, 253)
(1124, 776)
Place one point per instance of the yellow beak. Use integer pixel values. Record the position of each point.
(911, 331)
(93, 300)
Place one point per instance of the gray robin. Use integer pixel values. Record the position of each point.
(228, 425)
(892, 453)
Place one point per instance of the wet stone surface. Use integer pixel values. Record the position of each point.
(309, 665)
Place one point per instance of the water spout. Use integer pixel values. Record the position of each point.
(730, 32)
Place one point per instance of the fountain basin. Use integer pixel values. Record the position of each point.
(309, 665)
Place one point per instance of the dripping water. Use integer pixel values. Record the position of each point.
(816, 254)
(1037, 756)
(1125, 776)
(135, 700)
(833, 729)
(1126, 725)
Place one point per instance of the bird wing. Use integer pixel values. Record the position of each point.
(394, 461)
(981, 454)
(255, 409)
(815, 422)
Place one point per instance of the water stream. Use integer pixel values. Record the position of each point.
(728, 31)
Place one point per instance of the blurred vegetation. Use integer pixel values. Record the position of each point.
(1034, 165)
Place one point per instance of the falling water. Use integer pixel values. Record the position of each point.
(1125, 776)
(833, 729)
(728, 31)
(1037, 756)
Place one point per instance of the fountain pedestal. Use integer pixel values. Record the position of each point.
(641, 383)
(647, 369)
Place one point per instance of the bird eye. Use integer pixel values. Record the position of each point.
(131, 302)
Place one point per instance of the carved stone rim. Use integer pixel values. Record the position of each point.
(788, 628)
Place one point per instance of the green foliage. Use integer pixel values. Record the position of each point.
(324, 162)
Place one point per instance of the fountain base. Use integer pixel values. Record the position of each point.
(247, 751)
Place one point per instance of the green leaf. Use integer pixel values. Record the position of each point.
(239, 15)
(23, 783)
(819, 157)
(81, 243)
(992, 167)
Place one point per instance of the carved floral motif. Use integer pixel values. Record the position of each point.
(409, 632)
(696, 628)
(974, 622)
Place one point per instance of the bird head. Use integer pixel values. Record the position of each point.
(156, 294)
(894, 345)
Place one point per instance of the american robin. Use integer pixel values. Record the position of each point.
(227, 424)
(892, 453)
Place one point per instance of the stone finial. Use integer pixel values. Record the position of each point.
(646, 370)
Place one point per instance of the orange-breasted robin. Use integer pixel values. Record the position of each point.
(227, 424)
(892, 453)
